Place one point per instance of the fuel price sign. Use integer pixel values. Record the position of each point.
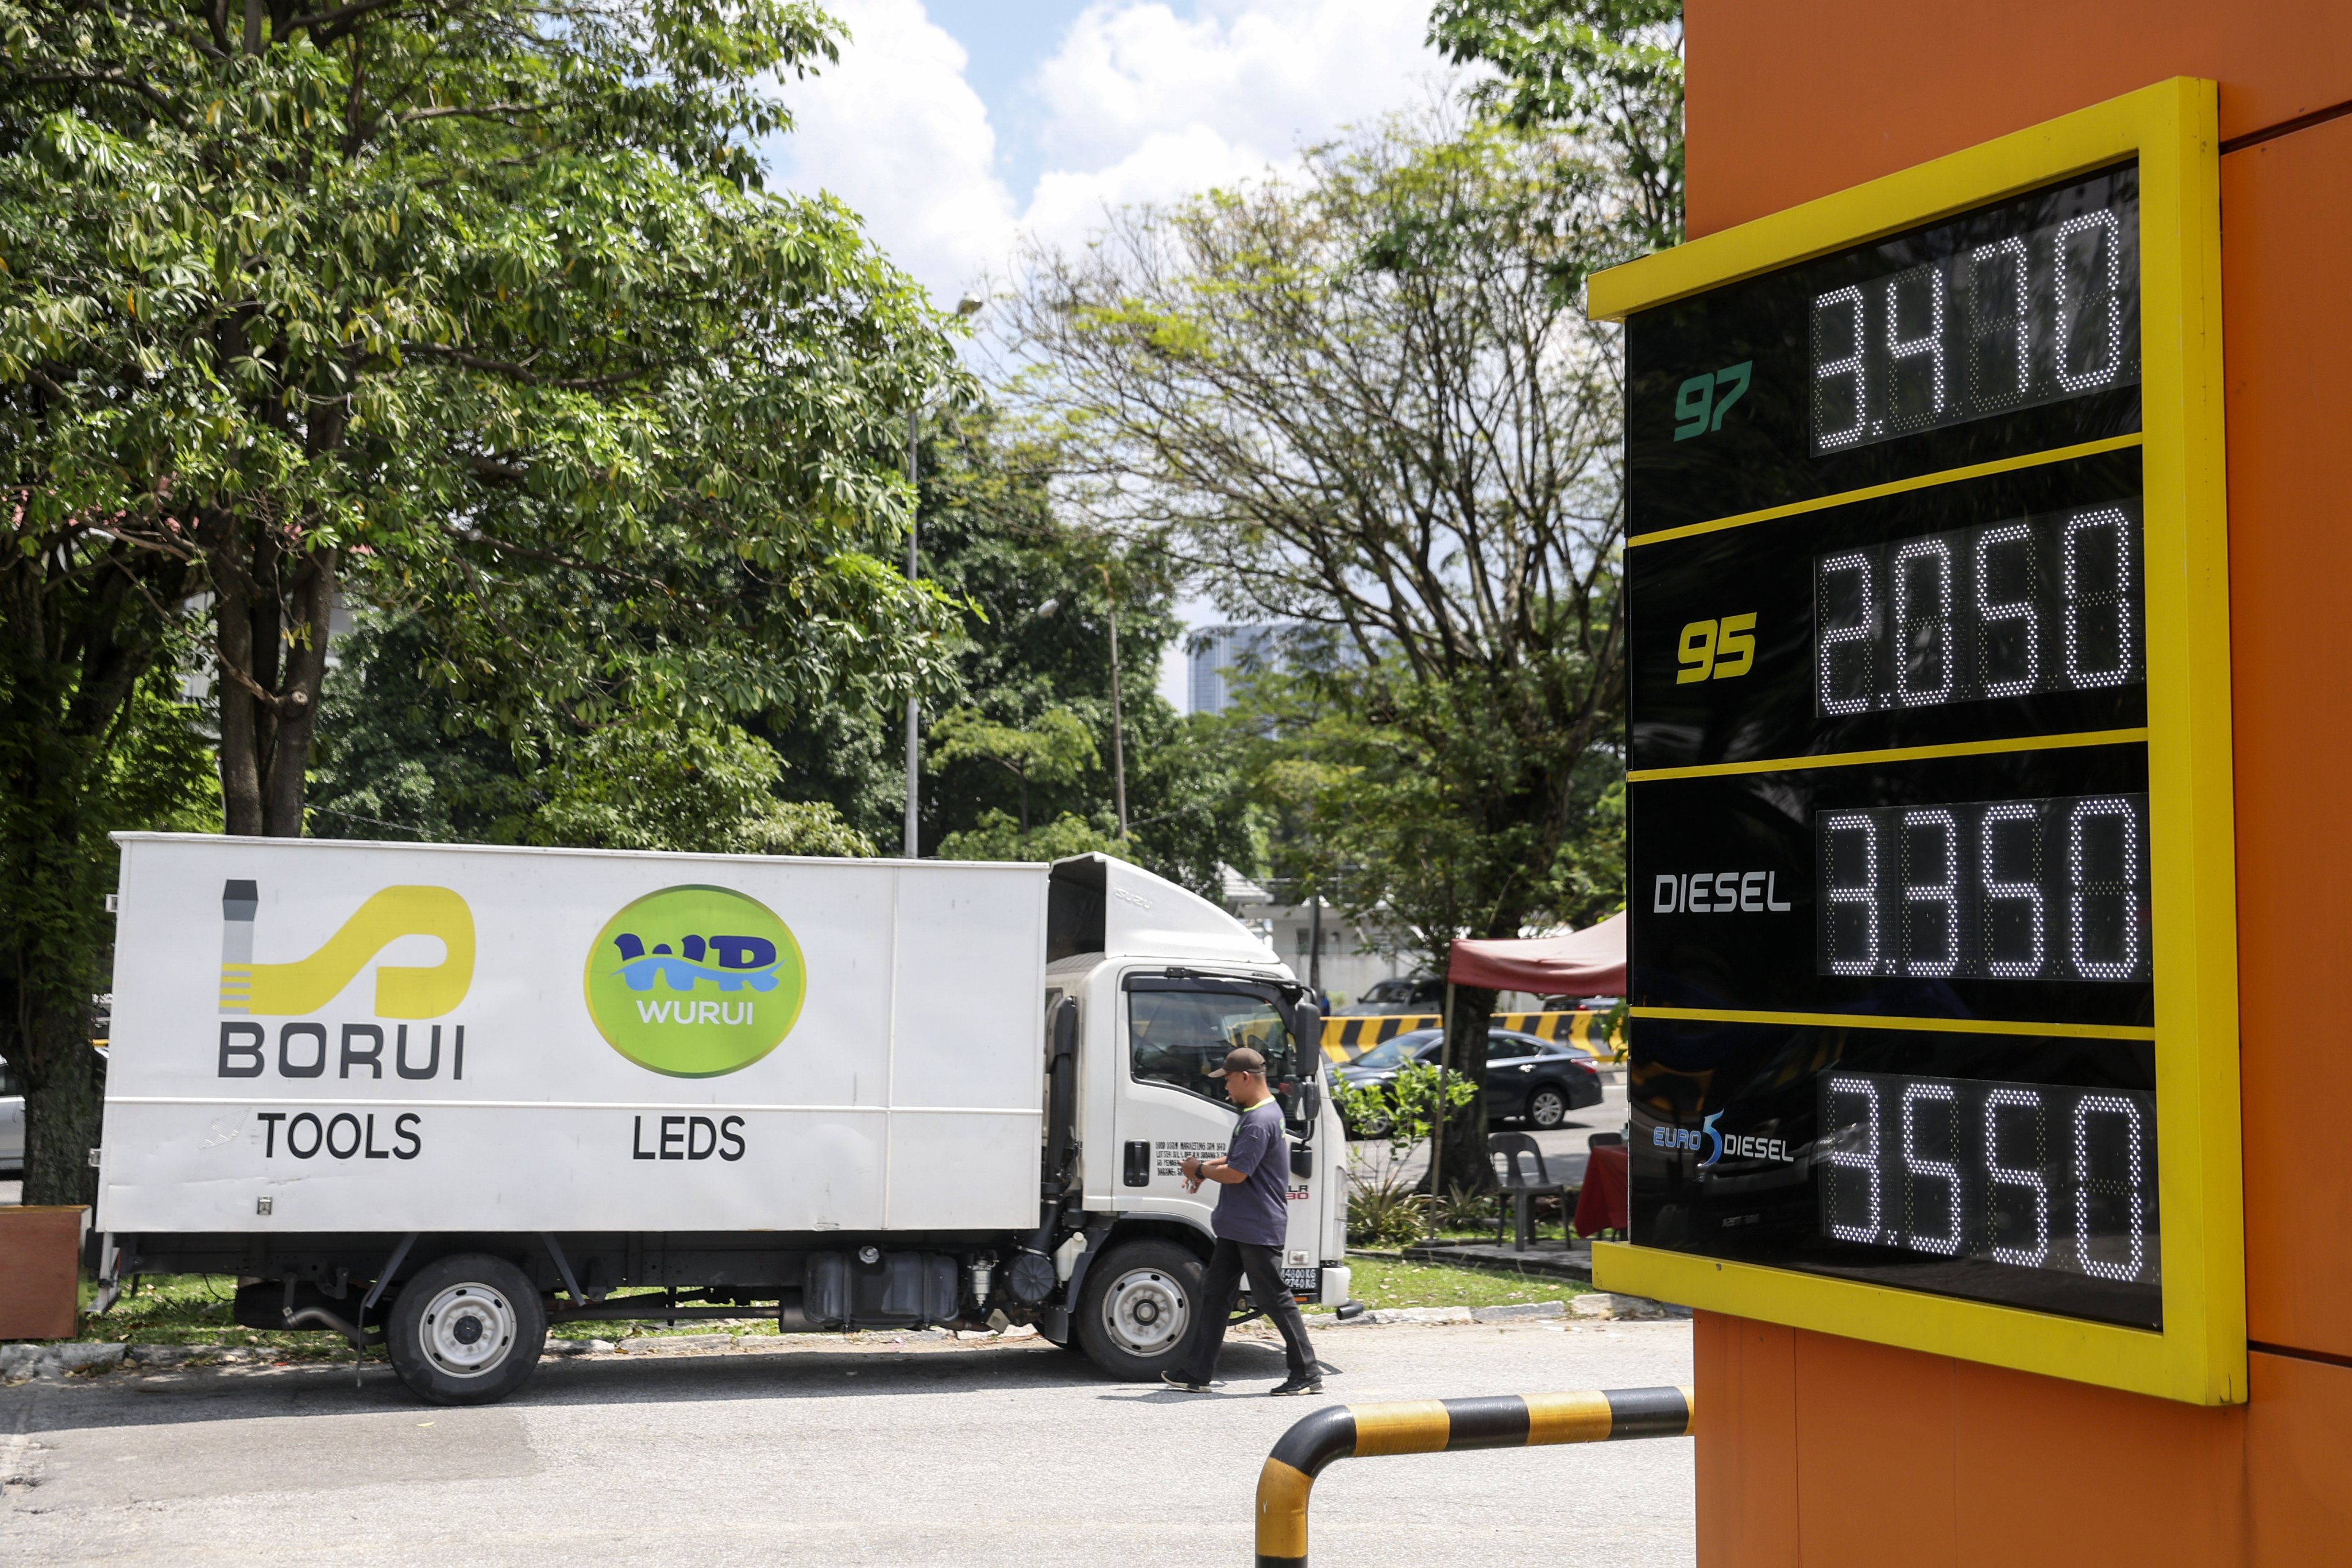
(1933, 985)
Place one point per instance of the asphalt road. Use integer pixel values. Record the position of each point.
(833, 1452)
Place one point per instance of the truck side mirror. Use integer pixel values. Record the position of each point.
(1310, 1101)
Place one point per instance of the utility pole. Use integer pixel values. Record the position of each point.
(1118, 727)
(1314, 944)
(912, 844)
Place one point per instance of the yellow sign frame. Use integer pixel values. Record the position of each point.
(2201, 1354)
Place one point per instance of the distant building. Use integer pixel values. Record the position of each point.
(1219, 657)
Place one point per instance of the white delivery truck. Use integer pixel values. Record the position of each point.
(441, 1096)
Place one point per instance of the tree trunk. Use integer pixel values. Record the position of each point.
(63, 1095)
(1463, 1162)
(272, 607)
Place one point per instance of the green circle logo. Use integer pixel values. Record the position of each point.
(694, 982)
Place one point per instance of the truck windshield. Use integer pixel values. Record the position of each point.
(1180, 1038)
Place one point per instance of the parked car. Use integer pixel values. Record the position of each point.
(12, 1123)
(1400, 994)
(1528, 1079)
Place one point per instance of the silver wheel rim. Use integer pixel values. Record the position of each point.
(469, 1330)
(1551, 1107)
(1146, 1311)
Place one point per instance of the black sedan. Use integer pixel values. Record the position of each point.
(1528, 1079)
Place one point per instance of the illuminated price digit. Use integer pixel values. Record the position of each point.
(2027, 1179)
(2001, 319)
(2017, 931)
(1941, 830)
(1847, 652)
(2099, 288)
(1918, 1167)
(2106, 646)
(1849, 897)
(2103, 873)
(1841, 318)
(1928, 344)
(2016, 648)
(1924, 642)
(1864, 1160)
(2130, 1190)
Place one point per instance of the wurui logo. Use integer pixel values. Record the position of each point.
(653, 972)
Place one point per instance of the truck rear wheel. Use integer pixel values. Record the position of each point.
(466, 1330)
(1136, 1312)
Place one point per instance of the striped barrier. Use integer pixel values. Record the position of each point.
(1347, 1038)
(1443, 1425)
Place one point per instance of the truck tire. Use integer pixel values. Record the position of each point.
(466, 1329)
(1139, 1307)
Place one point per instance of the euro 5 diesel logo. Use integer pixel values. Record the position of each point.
(694, 982)
(1740, 1146)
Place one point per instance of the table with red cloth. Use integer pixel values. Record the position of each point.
(1602, 1205)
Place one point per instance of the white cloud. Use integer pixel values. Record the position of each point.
(897, 132)
(1141, 105)
(1148, 106)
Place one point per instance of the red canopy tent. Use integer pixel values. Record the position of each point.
(1588, 962)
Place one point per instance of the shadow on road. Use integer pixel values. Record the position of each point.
(199, 1394)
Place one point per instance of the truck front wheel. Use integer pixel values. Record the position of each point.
(1139, 1307)
(466, 1330)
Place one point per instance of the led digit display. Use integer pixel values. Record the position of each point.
(1990, 325)
(1928, 815)
(2006, 609)
(1888, 766)
(2012, 889)
(2023, 1175)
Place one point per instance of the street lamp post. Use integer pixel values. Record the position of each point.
(1118, 727)
(912, 844)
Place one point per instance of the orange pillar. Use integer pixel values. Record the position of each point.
(1819, 1452)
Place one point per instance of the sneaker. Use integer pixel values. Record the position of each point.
(1312, 1383)
(1178, 1379)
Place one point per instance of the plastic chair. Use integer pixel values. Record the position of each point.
(1508, 1150)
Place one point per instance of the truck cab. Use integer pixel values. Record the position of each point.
(1163, 983)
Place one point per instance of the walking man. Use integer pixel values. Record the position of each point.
(1252, 1218)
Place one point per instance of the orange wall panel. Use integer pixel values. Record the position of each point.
(2286, 236)
(1816, 1452)
(1792, 101)
(1746, 1388)
(1867, 1410)
(2051, 1474)
(2299, 1462)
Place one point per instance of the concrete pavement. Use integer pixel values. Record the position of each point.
(828, 1451)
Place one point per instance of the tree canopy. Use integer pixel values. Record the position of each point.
(476, 312)
(1366, 403)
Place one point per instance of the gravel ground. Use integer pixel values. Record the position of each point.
(828, 1451)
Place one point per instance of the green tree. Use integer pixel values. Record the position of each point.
(1609, 72)
(1036, 640)
(474, 308)
(1057, 748)
(1367, 401)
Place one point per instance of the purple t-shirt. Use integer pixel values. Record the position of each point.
(1258, 1210)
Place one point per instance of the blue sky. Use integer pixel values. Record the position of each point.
(955, 127)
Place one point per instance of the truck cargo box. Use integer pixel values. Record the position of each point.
(315, 1037)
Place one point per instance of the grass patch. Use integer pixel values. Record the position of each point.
(1379, 1282)
(193, 1310)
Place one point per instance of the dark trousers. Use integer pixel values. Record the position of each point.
(1227, 1264)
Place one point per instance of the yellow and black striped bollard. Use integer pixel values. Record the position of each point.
(1442, 1426)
